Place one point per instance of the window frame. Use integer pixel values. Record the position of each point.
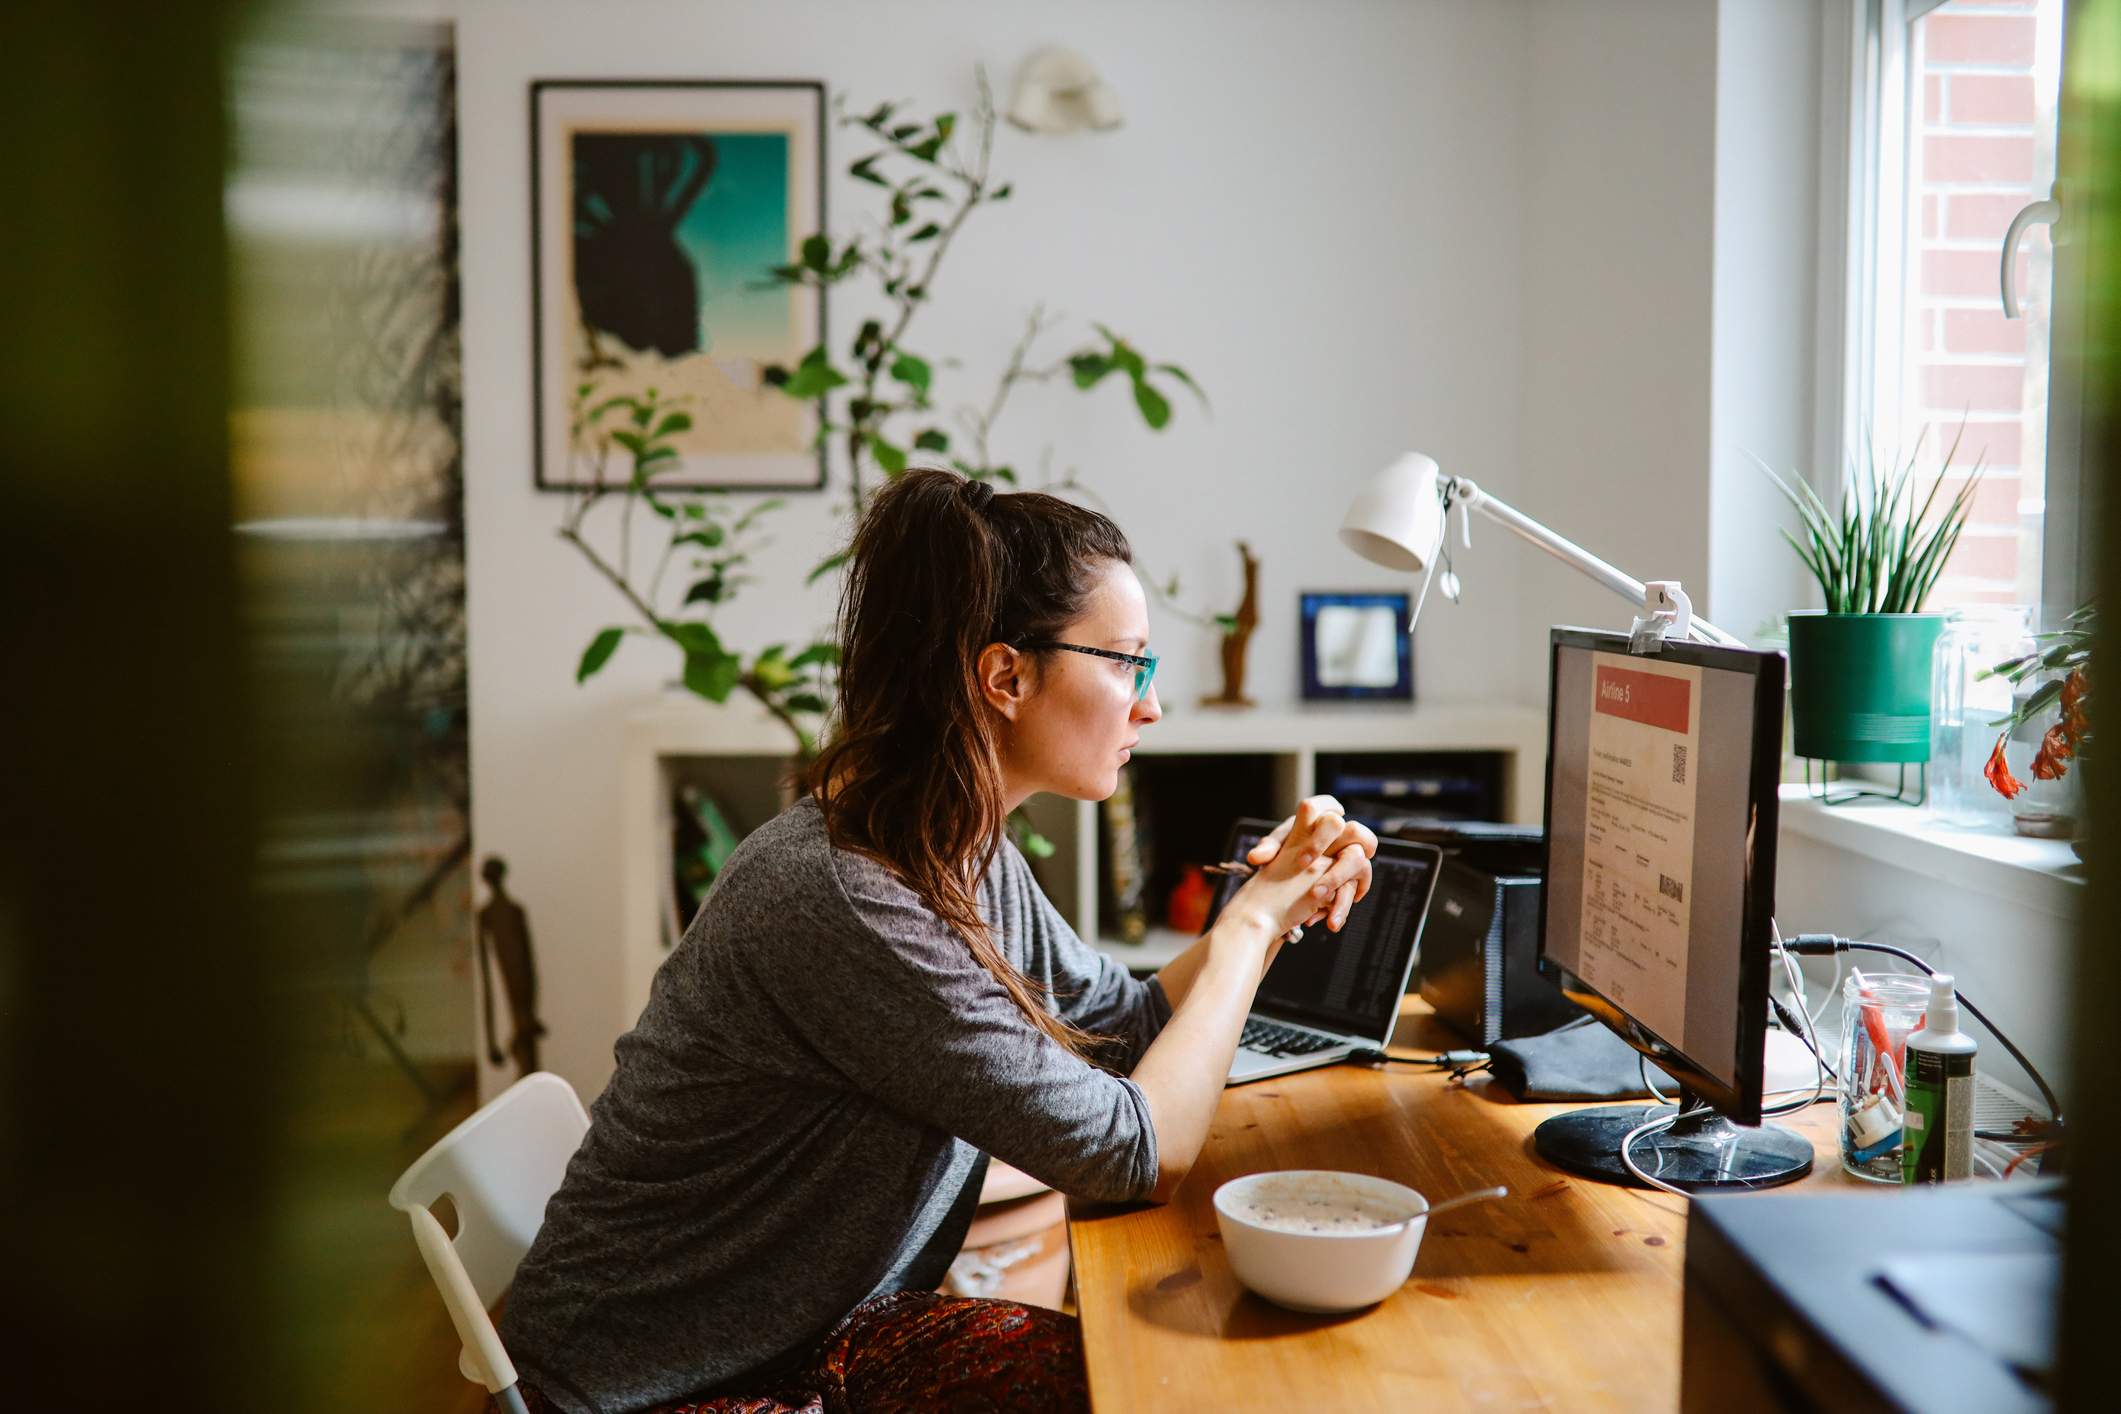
(1863, 155)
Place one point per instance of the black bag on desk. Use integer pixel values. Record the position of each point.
(1580, 1061)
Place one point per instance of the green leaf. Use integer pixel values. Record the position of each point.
(926, 233)
(817, 253)
(825, 566)
(813, 380)
(891, 459)
(672, 424)
(1155, 410)
(913, 372)
(1089, 369)
(632, 441)
(1034, 844)
(598, 653)
(944, 123)
(926, 149)
(1184, 377)
(805, 702)
(865, 171)
(1001, 193)
(771, 672)
(707, 591)
(1226, 622)
(904, 131)
(816, 653)
(707, 536)
(713, 675)
(933, 440)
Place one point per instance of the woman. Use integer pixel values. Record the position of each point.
(876, 996)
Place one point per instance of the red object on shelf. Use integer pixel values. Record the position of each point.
(1188, 908)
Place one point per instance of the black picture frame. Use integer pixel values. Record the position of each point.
(1320, 681)
(777, 447)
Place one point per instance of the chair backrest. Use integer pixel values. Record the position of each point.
(499, 1168)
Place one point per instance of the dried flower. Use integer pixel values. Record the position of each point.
(1999, 774)
(2055, 749)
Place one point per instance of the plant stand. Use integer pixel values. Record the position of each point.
(1822, 790)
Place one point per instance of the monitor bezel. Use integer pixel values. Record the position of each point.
(1768, 668)
(1407, 850)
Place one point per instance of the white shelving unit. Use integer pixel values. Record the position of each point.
(741, 753)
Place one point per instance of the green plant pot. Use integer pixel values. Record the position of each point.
(1860, 685)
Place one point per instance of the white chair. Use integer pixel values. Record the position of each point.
(499, 1167)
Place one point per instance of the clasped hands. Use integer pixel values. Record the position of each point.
(1314, 865)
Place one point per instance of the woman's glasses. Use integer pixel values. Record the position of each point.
(1144, 665)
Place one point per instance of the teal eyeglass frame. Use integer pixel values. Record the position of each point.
(1144, 664)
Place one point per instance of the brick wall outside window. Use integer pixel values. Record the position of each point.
(1981, 145)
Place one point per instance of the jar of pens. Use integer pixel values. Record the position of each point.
(1878, 1015)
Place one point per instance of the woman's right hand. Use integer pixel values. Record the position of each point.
(1298, 882)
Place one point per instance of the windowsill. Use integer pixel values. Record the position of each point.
(2042, 874)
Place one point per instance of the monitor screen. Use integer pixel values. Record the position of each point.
(1350, 981)
(1660, 819)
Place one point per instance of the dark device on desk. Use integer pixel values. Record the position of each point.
(1480, 950)
(1931, 1300)
(1335, 993)
(1660, 881)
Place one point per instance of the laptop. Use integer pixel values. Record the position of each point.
(1335, 993)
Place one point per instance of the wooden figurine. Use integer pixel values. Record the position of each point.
(1237, 634)
(504, 933)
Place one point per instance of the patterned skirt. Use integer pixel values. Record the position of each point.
(919, 1351)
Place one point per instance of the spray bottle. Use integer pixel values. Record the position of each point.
(1939, 1123)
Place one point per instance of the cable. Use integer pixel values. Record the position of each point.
(1657, 1123)
(1821, 944)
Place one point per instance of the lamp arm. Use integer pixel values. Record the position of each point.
(1573, 555)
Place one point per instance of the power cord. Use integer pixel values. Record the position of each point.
(1460, 1064)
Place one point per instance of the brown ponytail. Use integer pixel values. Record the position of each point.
(910, 774)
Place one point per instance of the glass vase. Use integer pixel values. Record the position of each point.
(1963, 704)
(2044, 809)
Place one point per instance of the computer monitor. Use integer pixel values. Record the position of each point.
(1660, 884)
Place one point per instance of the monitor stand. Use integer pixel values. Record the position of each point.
(1702, 1149)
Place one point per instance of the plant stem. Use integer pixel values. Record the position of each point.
(908, 304)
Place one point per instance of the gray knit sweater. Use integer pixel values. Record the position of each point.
(800, 1118)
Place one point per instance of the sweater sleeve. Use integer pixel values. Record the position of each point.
(1090, 989)
(889, 998)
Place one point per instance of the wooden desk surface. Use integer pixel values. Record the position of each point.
(1563, 1296)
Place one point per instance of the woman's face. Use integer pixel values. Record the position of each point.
(1075, 728)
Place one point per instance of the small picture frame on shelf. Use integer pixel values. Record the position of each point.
(1357, 646)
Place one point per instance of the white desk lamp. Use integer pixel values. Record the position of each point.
(1400, 520)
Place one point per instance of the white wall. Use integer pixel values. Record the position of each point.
(1765, 290)
(1614, 419)
(1316, 209)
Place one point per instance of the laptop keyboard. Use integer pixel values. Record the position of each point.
(1281, 1040)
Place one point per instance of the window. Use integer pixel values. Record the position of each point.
(1957, 108)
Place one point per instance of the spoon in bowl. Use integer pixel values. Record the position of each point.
(1477, 1195)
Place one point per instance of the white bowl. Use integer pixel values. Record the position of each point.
(1338, 1269)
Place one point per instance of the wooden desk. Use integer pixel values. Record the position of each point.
(1563, 1296)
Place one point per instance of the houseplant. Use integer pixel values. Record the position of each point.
(1860, 667)
(2058, 671)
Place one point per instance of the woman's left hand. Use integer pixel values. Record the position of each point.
(1352, 837)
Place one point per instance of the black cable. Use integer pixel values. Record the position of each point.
(1825, 944)
(1449, 1060)
(1789, 1023)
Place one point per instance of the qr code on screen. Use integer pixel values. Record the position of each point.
(1678, 765)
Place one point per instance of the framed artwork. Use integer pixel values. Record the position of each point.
(658, 208)
(1356, 645)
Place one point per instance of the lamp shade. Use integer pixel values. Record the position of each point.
(1397, 519)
